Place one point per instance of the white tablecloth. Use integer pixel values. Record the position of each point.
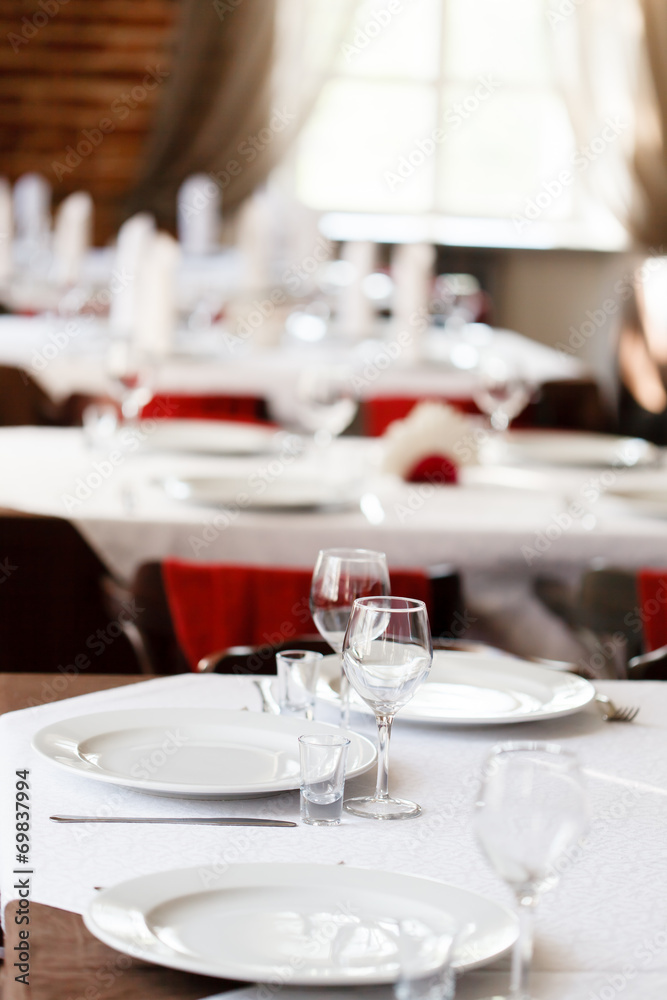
(68, 356)
(606, 921)
(128, 517)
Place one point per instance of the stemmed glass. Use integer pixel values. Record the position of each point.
(325, 402)
(387, 654)
(532, 808)
(339, 577)
(501, 392)
(133, 372)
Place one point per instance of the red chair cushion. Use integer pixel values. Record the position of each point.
(379, 412)
(249, 409)
(652, 586)
(214, 607)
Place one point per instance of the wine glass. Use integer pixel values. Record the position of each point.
(133, 372)
(387, 654)
(339, 577)
(501, 392)
(532, 808)
(325, 402)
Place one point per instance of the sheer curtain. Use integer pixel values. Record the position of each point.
(649, 215)
(245, 75)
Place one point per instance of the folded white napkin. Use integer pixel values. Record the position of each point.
(6, 230)
(72, 235)
(430, 429)
(134, 238)
(412, 273)
(254, 238)
(198, 214)
(32, 207)
(356, 314)
(156, 296)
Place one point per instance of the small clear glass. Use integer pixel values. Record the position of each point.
(100, 423)
(323, 758)
(298, 670)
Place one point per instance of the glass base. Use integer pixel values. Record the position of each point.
(371, 808)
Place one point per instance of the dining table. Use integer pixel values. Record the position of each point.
(601, 932)
(504, 523)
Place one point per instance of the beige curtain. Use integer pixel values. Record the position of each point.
(246, 74)
(648, 219)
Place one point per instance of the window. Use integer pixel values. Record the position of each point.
(449, 108)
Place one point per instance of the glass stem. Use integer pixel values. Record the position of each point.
(522, 955)
(344, 693)
(384, 734)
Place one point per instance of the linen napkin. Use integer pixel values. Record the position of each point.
(6, 230)
(134, 238)
(32, 203)
(430, 444)
(217, 606)
(156, 309)
(72, 234)
(356, 314)
(412, 271)
(198, 214)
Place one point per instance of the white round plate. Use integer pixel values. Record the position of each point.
(286, 492)
(573, 448)
(648, 499)
(473, 689)
(191, 753)
(297, 924)
(214, 437)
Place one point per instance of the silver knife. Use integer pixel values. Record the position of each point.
(184, 821)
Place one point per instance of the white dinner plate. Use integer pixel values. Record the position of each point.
(284, 492)
(649, 499)
(202, 753)
(573, 448)
(293, 924)
(214, 437)
(471, 689)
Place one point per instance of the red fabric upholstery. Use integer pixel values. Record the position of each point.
(214, 607)
(250, 409)
(378, 413)
(652, 586)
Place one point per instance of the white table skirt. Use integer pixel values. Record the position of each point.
(65, 362)
(606, 920)
(129, 519)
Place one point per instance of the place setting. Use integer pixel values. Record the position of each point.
(312, 924)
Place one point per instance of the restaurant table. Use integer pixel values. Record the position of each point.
(218, 361)
(602, 929)
(500, 527)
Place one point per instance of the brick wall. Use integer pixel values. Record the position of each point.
(78, 83)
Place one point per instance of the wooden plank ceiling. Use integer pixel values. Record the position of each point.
(79, 80)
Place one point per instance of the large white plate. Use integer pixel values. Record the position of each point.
(194, 753)
(573, 448)
(649, 499)
(293, 924)
(470, 689)
(215, 437)
(285, 492)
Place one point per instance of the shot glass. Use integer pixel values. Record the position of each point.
(297, 679)
(323, 758)
(425, 956)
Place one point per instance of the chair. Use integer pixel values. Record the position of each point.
(248, 409)
(23, 401)
(619, 615)
(52, 611)
(192, 609)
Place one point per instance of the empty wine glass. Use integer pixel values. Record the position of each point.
(325, 402)
(532, 808)
(501, 391)
(133, 372)
(339, 577)
(387, 654)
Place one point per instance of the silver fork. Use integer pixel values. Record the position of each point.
(612, 713)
